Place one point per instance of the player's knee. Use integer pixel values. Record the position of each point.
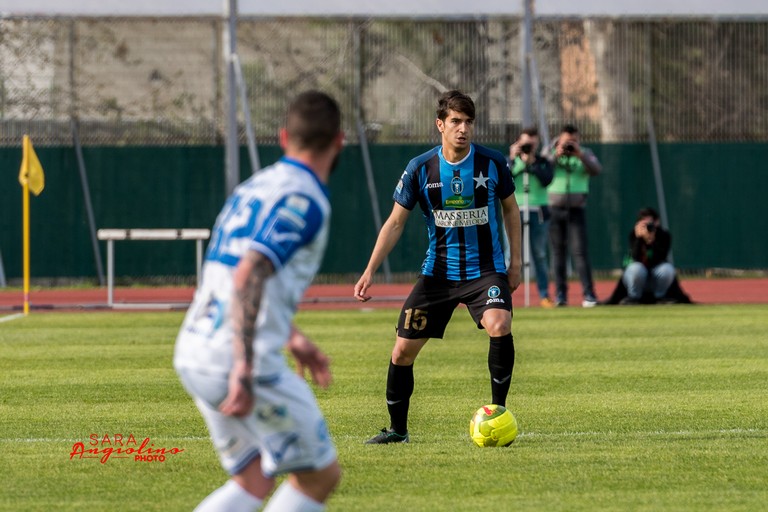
(318, 485)
(405, 351)
(252, 479)
(498, 330)
(336, 474)
(402, 358)
(331, 476)
(498, 325)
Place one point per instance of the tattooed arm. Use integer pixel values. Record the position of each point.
(249, 278)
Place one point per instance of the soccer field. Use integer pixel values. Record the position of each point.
(644, 408)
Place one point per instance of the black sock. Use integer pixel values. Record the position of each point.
(399, 391)
(501, 361)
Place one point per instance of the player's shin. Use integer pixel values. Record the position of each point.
(399, 391)
(501, 361)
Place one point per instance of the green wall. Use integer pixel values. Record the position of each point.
(714, 198)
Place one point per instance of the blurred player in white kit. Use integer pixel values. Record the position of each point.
(266, 246)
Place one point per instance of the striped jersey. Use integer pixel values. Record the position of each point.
(459, 202)
(282, 212)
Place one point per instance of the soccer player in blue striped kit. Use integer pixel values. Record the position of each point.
(458, 186)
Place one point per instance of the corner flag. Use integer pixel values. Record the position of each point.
(31, 178)
(31, 172)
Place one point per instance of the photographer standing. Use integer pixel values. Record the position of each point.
(573, 167)
(531, 195)
(649, 272)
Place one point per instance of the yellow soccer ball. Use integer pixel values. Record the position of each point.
(493, 425)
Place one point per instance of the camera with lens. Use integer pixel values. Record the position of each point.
(526, 149)
(650, 227)
(569, 148)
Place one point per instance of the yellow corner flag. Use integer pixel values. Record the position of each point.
(32, 179)
(31, 172)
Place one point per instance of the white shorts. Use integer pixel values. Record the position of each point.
(286, 429)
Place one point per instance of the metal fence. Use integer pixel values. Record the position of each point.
(129, 81)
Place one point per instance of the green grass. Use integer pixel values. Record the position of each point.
(646, 408)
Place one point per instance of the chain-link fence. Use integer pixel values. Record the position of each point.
(134, 81)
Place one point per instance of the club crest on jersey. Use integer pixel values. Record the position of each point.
(457, 186)
(494, 293)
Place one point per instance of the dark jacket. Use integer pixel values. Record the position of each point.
(541, 168)
(650, 256)
(653, 254)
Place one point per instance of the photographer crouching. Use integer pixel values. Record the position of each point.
(649, 275)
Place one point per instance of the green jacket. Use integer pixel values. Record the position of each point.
(570, 186)
(539, 176)
(570, 176)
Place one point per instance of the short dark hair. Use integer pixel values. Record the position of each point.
(313, 120)
(530, 131)
(647, 212)
(569, 128)
(456, 101)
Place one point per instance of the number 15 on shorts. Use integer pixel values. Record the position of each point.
(415, 319)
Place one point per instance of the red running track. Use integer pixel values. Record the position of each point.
(702, 291)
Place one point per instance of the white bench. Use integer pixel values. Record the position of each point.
(111, 235)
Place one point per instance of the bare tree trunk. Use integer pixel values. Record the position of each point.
(608, 40)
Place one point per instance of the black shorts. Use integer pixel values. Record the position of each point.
(429, 307)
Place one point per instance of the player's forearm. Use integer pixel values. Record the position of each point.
(388, 237)
(249, 280)
(515, 249)
(511, 215)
